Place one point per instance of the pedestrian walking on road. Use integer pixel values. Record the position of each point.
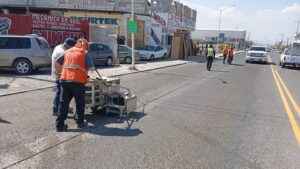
(225, 53)
(59, 50)
(75, 65)
(230, 56)
(210, 54)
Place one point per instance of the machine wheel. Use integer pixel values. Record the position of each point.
(109, 61)
(128, 60)
(23, 67)
(152, 57)
(95, 108)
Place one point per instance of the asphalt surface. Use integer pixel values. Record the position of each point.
(231, 117)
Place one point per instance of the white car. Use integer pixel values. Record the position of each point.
(257, 54)
(290, 57)
(152, 52)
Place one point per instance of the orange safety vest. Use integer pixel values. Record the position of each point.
(74, 67)
(225, 51)
(230, 53)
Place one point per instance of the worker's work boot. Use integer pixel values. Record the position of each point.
(62, 128)
(81, 125)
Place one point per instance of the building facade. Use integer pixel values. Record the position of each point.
(157, 20)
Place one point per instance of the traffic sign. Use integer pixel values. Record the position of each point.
(132, 26)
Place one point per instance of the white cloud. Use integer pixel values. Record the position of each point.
(265, 25)
(295, 8)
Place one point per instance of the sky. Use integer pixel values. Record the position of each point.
(266, 20)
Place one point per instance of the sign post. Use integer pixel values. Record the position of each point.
(132, 28)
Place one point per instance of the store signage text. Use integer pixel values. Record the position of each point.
(54, 22)
(98, 21)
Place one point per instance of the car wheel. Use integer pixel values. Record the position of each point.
(282, 65)
(23, 67)
(152, 57)
(165, 56)
(279, 63)
(247, 61)
(128, 60)
(109, 61)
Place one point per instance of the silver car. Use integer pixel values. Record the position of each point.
(125, 54)
(24, 53)
(101, 54)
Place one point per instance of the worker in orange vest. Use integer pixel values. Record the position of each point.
(230, 55)
(75, 65)
(225, 53)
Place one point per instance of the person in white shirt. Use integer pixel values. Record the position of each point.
(59, 50)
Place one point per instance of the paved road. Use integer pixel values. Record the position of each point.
(231, 117)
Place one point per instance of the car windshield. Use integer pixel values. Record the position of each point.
(148, 48)
(293, 51)
(258, 49)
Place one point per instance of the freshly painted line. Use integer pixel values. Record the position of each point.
(287, 91)
(291, 116)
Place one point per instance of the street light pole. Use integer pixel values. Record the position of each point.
(218, 41)
(132, 38)
(219, 28)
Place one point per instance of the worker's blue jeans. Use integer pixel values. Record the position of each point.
(57, 96)
(68, 91)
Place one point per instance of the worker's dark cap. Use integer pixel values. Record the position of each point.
(70, 41)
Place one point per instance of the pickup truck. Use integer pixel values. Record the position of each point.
(290, 57)
(257, 54)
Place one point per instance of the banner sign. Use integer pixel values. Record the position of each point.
(53, 28)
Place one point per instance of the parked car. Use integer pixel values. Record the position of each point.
(101, 54)
(24, 53)
(290, 57)
(153, 52)
(125, 54)
(257, 54)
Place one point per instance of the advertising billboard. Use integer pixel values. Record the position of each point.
(53, 28)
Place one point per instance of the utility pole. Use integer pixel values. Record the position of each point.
(27, 8)
(297, 33)
(281, 45)
(132, 39)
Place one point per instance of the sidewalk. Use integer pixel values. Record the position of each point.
(142, 66)
(12, 83)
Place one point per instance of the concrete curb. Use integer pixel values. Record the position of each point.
(48, 87)
(134, 72)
